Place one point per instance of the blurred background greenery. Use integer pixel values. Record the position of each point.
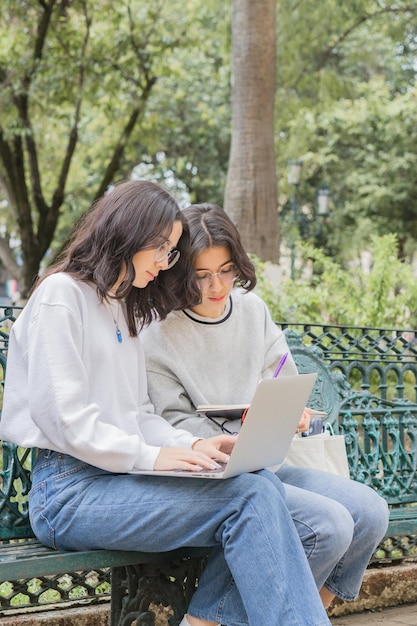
(94, 91)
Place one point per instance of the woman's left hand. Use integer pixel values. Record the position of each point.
(304, 423)
(218, 447)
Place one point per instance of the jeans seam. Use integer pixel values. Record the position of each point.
(69, 472)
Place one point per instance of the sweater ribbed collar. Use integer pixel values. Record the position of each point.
(208, 320)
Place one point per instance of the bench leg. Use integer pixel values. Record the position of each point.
(135, 587)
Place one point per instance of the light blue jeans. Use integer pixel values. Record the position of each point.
(340, 523)
(257, 571)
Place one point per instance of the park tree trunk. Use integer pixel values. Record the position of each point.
(251, 186)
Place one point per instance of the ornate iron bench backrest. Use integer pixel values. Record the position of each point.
(380, 435)
(327, 389)
(16, 462)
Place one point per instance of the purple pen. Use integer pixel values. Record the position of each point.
(280, 365)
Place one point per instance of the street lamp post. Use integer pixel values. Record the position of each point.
(294, 178)
(302, 223)
(323, 210)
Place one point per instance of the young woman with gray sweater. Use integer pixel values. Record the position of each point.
(215, 353)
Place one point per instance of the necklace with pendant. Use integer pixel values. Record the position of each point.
(116, 322)
(118, 332)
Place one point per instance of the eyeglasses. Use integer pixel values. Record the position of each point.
(227, 275)
(165, 251)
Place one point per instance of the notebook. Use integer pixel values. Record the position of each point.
(223, 411)
(267, 431)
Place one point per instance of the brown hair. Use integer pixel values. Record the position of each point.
(133, 216)
(210, 226)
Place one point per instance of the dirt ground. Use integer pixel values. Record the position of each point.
(162, 614)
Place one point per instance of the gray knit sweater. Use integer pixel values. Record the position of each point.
(194, 360)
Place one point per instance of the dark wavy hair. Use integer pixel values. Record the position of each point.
(210, 226)
(133, 216)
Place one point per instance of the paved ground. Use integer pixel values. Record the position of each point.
(405, 615)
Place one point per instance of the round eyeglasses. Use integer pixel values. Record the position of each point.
(165, 251)
(227, 275)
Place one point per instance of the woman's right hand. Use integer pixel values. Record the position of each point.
(183, 459)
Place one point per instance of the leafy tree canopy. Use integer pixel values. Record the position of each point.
(92, 88)
(77, 77)
(346, 106)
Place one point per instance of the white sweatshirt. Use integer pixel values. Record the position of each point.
(72, 387)
(194, 360)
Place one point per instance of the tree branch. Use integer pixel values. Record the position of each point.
(145, 83)
(327, 52)
(22, 104)
(48, 219)
(358, 23)
(42, 30)
(8, 259)
(58, 196)
(114, 163)
(7, 177)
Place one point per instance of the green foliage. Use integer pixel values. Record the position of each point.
(91, 89)
(385, 296)
(368, 150)
(186, 129)
(346, 106)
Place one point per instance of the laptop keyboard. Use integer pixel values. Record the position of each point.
(215, 470)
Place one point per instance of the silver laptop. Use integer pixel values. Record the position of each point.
(266, 433)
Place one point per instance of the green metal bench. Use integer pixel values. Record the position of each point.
(382, 451)
(137, 578)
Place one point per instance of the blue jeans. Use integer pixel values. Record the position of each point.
(257, 571)
(340, 523)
